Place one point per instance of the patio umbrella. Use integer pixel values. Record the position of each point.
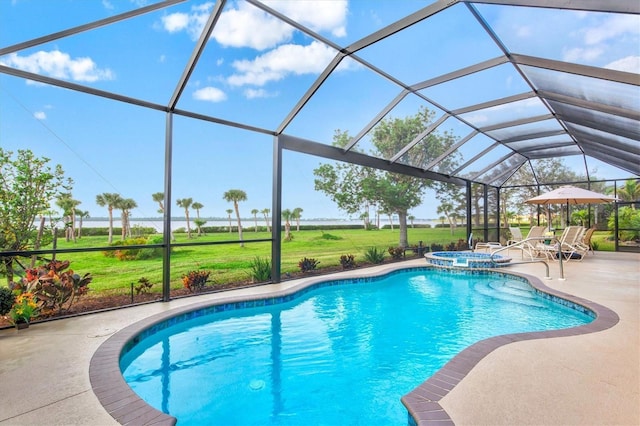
(570, 195)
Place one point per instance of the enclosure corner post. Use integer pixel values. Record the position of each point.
(166, 219)
(276, 208)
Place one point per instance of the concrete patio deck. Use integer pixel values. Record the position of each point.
(586, 379)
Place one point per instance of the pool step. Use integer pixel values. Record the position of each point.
(509, 290)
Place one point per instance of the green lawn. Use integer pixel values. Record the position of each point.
(231, 263)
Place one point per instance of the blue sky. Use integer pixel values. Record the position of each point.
(256, 77)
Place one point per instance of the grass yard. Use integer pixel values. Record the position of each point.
(230, 262)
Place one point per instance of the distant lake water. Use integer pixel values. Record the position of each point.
(246, 223)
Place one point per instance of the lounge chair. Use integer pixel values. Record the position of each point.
(571, 236)
(527, 245)
(583, 246)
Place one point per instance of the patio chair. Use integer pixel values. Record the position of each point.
(526, 245)
(568, 244)
(583, 247)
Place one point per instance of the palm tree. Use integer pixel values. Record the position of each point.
(68, 205)
(158, 197)
(110, 200)
(235, 196)
(296, 214)
(186, 203)
(81, 215)
(126, 205)
(630, 191)
(411, 219)
(229, 211)
(266, 212)
(286, 215)
(197, 206)
(255, 212)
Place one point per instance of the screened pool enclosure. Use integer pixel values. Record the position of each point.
(191, 99)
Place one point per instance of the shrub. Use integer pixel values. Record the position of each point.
(436, 247)
(260, 269)
(595, 245)
(307, 264)
(195, 280)
(462, 245)
(451, 246)
(7, 299)
(144, 286)
(348, 261)
(396, 252)
(52, 286)
(327, 236)
(137, 253)
(373, 255)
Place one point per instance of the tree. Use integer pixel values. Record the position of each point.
(266, 212)
(630, 191)
(158, 197)
(452, 202)
(229, 211)
(185, 203)
(199, 222)
(68, 205)
(548, 170)
(27, 187)
(110, 200)
(286, 215)
(255, 212)
(81, 214)
(411, 219)
(354, 187)
(126, 205)
(235, 196)
(297, 214)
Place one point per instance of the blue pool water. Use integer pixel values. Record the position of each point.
(338, 355)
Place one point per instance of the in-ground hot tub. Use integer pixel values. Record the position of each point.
(466, 260)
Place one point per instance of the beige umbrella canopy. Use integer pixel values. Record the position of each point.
(570, 195)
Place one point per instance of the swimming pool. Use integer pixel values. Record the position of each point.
(265, 361)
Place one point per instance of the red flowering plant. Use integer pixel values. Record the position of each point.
(53, 286)
(195, 280)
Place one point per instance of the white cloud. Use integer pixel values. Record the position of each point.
(59, 65)
(237, 25)
(319, 16)
(40, 115)
(107, 4)
(210, 94)
(175, 22)
(238, 28)
(611, 28)
(628, 64)
(258, 93)
(580, 54)
(280, 62)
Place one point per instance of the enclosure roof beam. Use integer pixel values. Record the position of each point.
(479, 155)
(87, 27)
(494, 102)
(584, 5)
(338, 154)
(519, 122)
(418, 138)
(451, 149)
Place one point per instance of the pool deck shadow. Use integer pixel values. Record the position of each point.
(568, 378)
